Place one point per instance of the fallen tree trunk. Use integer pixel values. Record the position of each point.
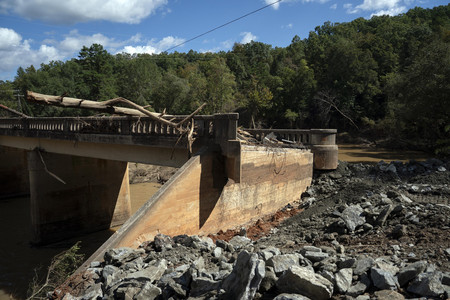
(105, 106)
(13, 111)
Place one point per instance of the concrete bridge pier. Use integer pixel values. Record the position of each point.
(94, 196)
(13, 172)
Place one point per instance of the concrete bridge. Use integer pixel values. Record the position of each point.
(76, 172)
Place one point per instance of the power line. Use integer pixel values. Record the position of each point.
(223, 25)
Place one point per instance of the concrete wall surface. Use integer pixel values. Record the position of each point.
(14, 180)
(94, 195)
(200, 199)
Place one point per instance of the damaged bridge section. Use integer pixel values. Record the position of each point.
(76, 171)
(201, 198)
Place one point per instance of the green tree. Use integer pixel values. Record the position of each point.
(97, 73)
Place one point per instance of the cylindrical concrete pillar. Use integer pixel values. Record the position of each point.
(324, 148)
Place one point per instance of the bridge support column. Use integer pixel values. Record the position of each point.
(95, 195)
(13, 172)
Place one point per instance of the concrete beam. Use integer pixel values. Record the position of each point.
(121, 152)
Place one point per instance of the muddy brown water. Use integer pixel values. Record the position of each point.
(18, 259)
(357, 153)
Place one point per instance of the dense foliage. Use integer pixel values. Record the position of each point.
(383, 77)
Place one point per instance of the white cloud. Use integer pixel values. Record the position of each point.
(74, 11)
(333, 7)
(73, 42)
(9, 39)
(274, 6)
(391, 12)
(14, 51)
(247, 37)
(380, 7)
(152, 46)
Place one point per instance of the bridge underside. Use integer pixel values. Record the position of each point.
(69, 195)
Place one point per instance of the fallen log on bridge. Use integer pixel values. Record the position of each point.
(106, 106)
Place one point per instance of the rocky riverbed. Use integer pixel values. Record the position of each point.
(360, 232)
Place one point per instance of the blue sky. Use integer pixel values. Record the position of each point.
(38, 31)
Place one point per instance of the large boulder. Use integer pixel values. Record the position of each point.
(303, 281)
(244, 280)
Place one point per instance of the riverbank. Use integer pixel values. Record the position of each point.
(362, 231)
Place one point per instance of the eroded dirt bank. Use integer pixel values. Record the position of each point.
(362, 231)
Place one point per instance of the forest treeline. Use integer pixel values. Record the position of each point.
(386, 77)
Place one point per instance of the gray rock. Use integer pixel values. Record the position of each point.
(388, 295)
(95, 264)
(111, 275)
(269, 252)
(201, 285)
(409, 272)
(119, 256)
(239, 242)
(217, 252)
(383, 280)
(363, 265)
(153, 272)
(399, 231)
(382, 264)
(352, 217)
(281, 263)
(315, 256)
(162, 242)
(310, 249)
(328, 275)
(199, 263)
(427, 285)
(384, 214)
(446, 278)
(148, 292)
(268, 281)
(222, 244)
(360, 287)
(291, 297)
(343, 280)
(363, 297)
(447, 251)
(346, 263)
(93, 292)
(173, 289)
(244, 280)
(405, 199)
(300, 280)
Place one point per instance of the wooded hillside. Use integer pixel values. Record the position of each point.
(383, 77)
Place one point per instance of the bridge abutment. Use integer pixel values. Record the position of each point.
(94, 196)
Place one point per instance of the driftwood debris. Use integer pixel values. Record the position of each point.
(13, 111)
(105, 106)
(108, 106)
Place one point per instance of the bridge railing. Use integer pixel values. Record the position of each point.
(219, 126)
(299, 136)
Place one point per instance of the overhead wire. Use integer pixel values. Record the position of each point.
(223, 25)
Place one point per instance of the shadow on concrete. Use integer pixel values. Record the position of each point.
(211, 186)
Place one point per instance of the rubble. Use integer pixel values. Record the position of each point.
(373, 232)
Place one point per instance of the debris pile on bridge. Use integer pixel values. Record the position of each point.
(185, 127)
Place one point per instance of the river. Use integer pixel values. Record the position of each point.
(18, 259)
